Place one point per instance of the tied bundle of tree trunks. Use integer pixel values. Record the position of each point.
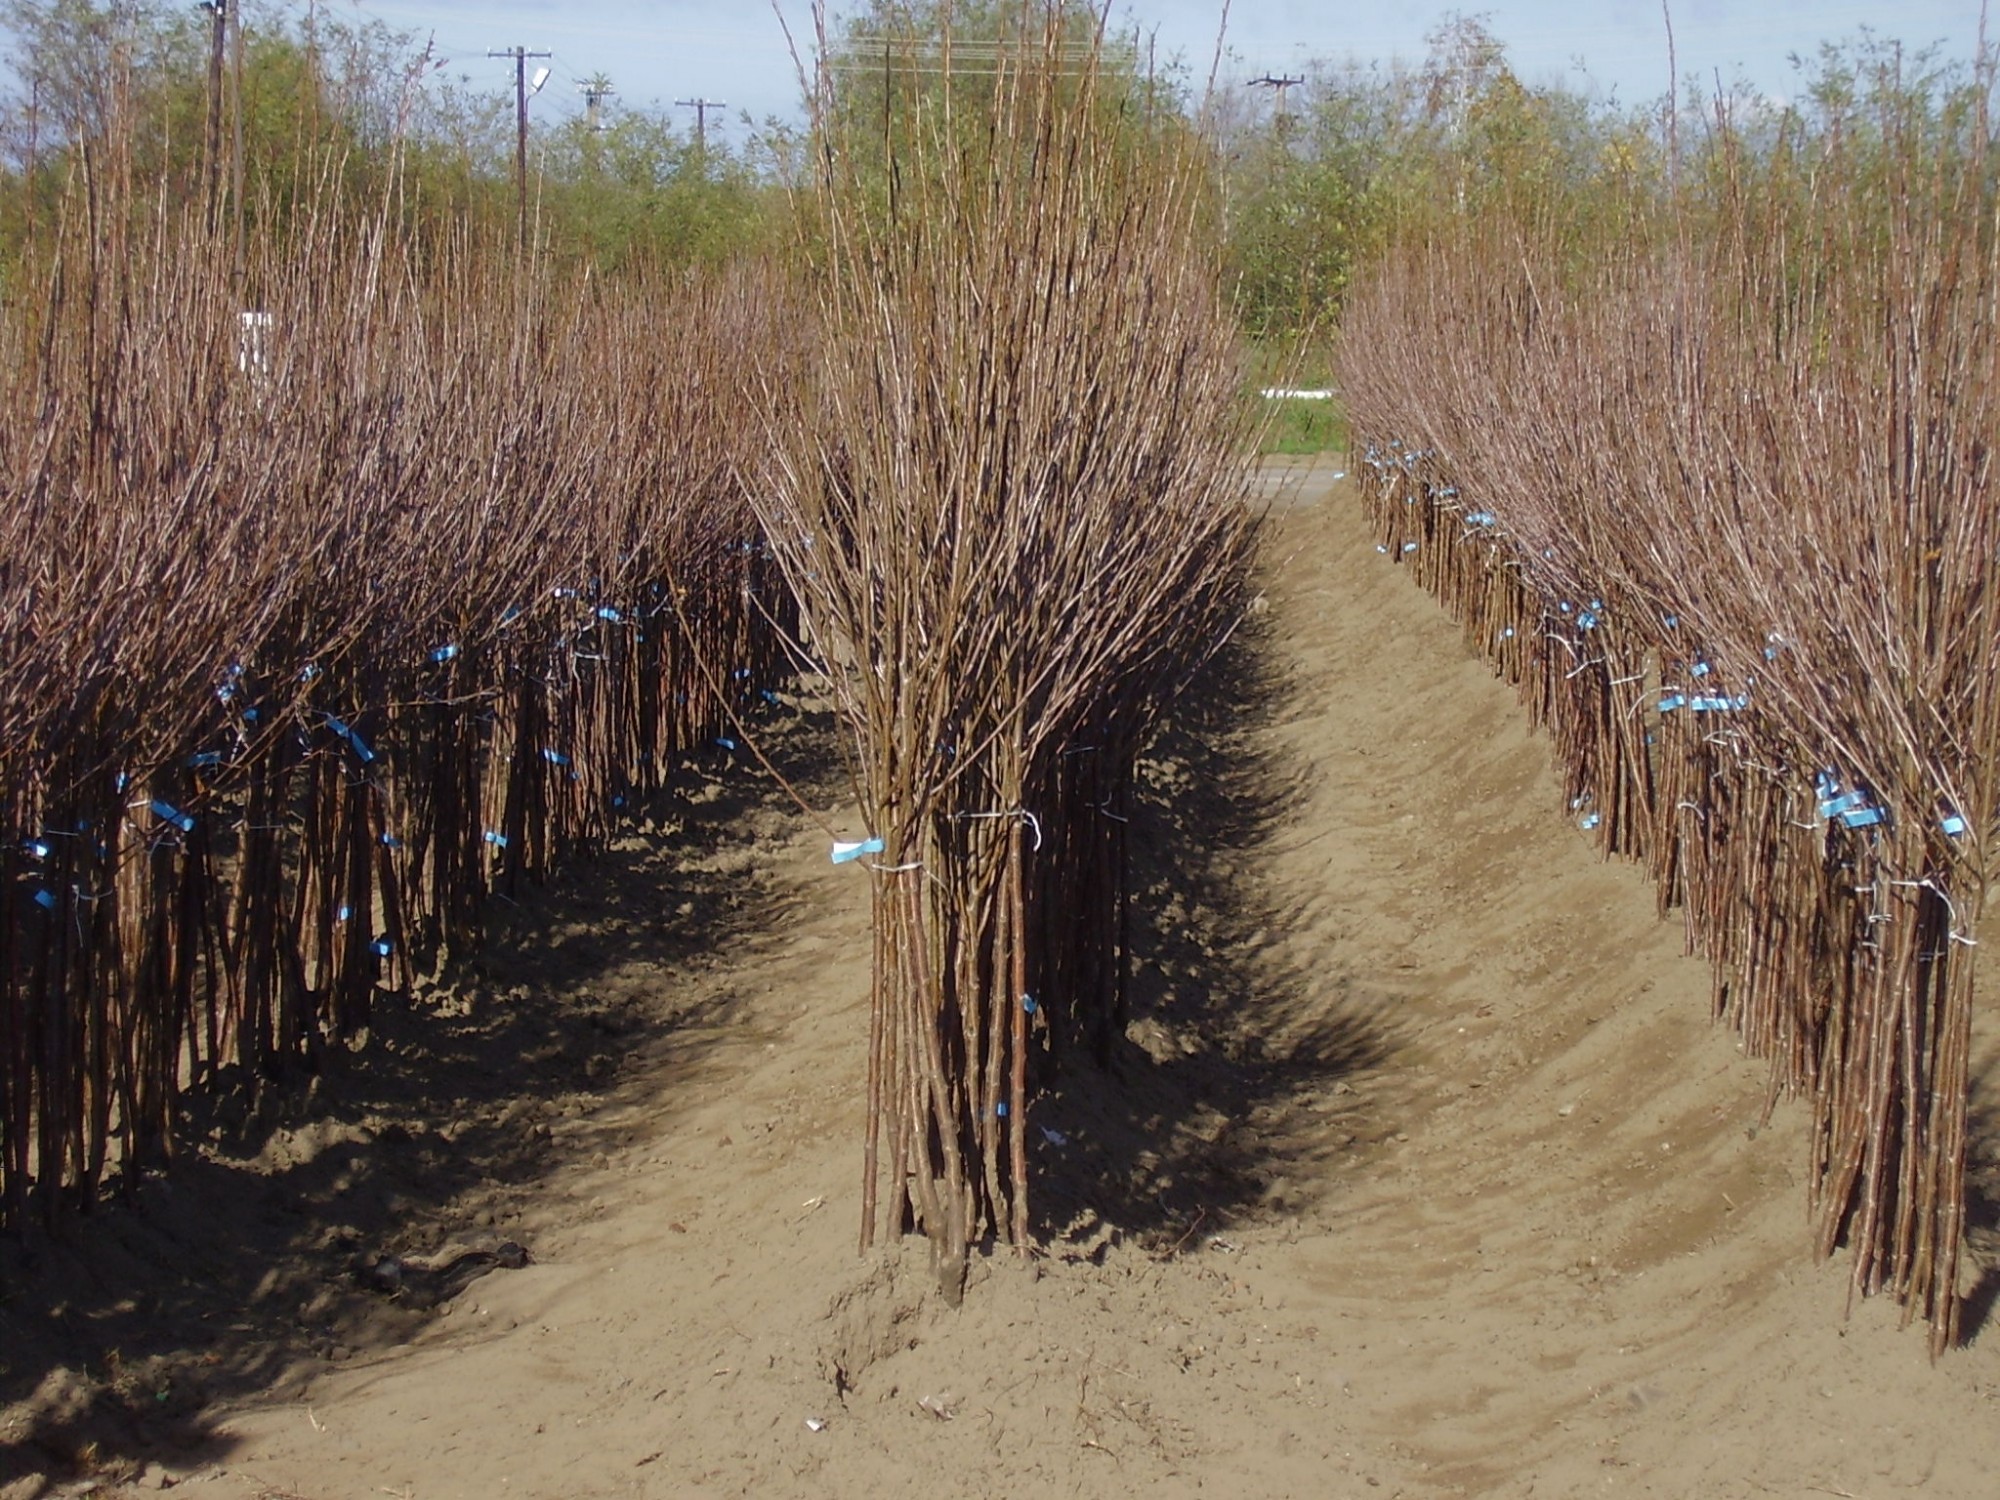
(1014, 517)
(1721, 502)
(333, 601)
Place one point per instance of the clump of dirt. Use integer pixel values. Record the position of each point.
(881, 1315)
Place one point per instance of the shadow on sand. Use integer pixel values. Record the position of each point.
(259, 1259)
(1982, 1210)
(1225, 1096)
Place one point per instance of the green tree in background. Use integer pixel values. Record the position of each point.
(1373, 157)
(332, 112)
(636, 190)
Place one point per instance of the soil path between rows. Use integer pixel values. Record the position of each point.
(1422, 1173)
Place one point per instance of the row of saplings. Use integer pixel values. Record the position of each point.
(1722, 507)
(303, 675)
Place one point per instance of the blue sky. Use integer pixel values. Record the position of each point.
(734, 50)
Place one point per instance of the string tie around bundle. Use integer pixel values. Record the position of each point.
(1951, 931)
(1017, 812)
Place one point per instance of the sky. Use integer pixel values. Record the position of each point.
(658, 52)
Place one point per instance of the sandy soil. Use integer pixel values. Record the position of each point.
(1422, 1174)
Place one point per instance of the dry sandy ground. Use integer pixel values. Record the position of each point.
(1423, 1174)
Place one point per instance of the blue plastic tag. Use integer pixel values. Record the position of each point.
(166, 812)
(847, 853)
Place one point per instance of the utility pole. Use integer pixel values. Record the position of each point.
(219, 10)
(236, 154)
(701, 107)
(1278, 85)
(521, 56)
(595, 90)
(34, 139)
